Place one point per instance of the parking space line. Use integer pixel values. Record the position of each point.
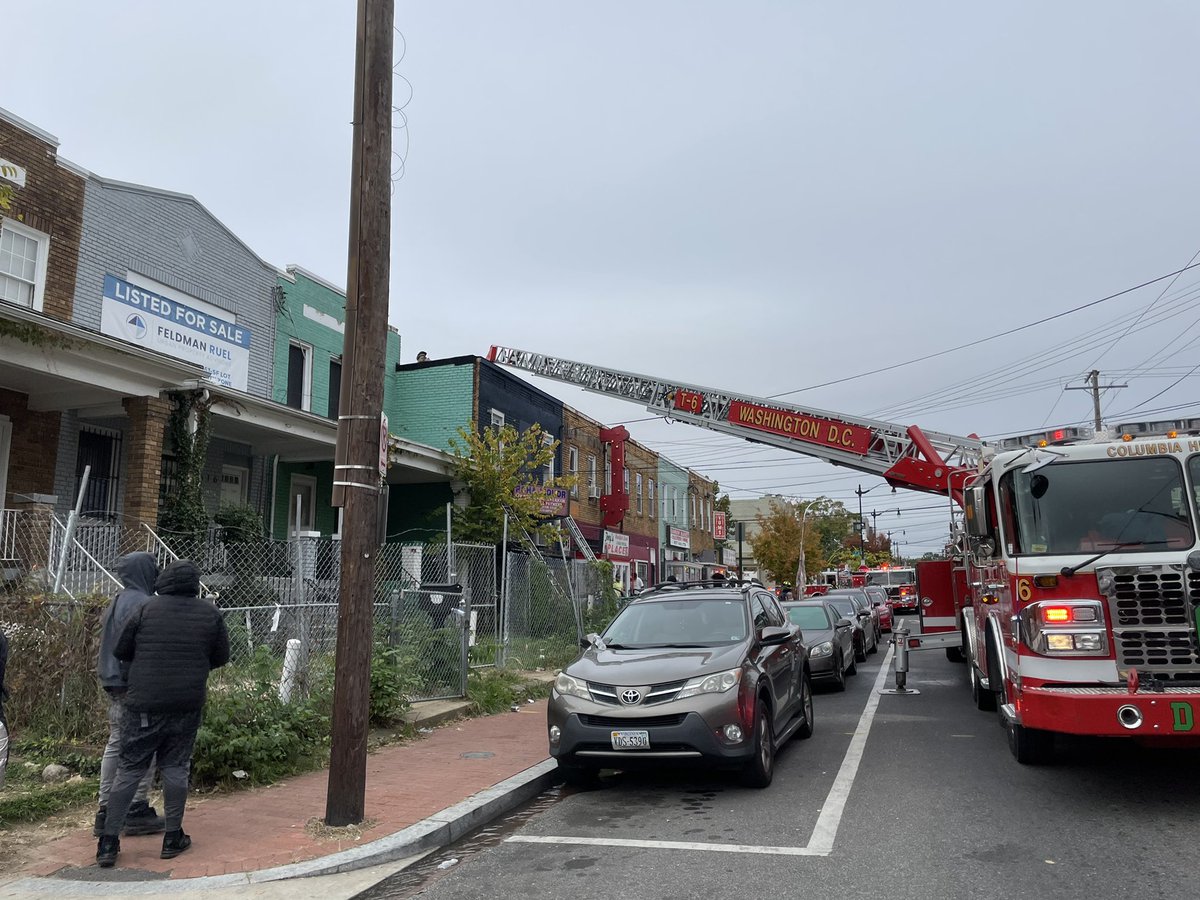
(824, 833)
(663, 845)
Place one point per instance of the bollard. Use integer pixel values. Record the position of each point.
(900, 641)
(291, 664)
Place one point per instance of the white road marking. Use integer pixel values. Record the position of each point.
(821, 841)
(663, 845)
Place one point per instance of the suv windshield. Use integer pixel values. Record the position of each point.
(706, 622)
(1088, 507)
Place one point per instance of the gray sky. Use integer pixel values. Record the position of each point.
(754, 196)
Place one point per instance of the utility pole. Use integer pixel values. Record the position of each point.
(741, 531)
(1095, 387)
(862, 527)
(358, 486)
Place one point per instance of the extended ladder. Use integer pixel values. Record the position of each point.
(579, 539)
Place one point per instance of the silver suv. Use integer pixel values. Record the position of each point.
(707, 672)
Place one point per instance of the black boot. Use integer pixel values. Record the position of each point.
(143, 819)
(98, 825)
(174, 843)
(107, 850)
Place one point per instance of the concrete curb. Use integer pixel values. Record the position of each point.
(438, 830)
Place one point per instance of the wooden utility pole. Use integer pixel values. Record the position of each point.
(358, 484)
(1094, 387)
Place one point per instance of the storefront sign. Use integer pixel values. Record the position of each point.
(616, 544)
(728, 556)
(552, 501)
(679, 537)
(719, 533)
(175, 329)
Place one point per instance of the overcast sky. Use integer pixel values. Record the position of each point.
(755, 196)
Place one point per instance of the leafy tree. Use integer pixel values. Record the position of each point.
(823, 523)
(493, 464)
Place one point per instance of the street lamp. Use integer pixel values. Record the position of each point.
(801, 572)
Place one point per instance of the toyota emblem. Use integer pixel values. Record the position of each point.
(629, 696)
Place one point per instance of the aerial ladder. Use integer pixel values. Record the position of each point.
(905, 456)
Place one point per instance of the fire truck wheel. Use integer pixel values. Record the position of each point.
(955, 654)
(984, 698)
(1029, 746)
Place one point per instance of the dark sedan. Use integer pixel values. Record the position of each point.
(829, 637)
(858, 611)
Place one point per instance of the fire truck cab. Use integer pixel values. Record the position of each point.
(1082, 577)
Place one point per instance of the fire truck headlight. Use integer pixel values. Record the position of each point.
(1060, 642)
(1088, 642)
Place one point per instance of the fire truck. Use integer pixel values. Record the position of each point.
(1073, 593)
(900, 583)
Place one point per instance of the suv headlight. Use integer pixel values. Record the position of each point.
(822, 649)
(711, 684)
(571, 687)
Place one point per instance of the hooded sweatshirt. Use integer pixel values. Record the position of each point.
(137, 572)
(172, 643)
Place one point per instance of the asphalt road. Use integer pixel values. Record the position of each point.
(935, 807)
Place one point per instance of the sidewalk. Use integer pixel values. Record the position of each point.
(420, 795)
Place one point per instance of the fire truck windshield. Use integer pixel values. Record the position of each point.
(1092, 506)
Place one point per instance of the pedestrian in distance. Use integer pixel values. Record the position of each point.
(138, 572)
(171, 645)
(638, 584)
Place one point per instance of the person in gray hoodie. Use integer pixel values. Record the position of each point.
(137, 572)
(171, 644)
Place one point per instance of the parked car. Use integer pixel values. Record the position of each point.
(879, 600)
(708, 673)
(829, 637)
(854, 607)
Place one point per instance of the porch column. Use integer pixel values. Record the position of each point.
(147, 426)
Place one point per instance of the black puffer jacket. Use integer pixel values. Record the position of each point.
(172, 644)
(138, 572)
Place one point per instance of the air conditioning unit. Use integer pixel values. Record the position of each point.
(593, 491)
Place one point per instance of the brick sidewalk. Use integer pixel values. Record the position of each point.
(259, 829)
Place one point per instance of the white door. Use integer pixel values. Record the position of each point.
(303, 495)
(233, 484)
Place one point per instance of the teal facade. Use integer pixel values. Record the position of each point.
(431, 402)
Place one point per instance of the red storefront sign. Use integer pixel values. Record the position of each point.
(719, 533)
(813, 430)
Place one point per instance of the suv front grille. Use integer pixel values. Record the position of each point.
(1153, 614)
(644, 722)
(658, 693)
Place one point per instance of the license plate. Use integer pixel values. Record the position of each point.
(631, 740)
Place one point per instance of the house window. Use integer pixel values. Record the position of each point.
(299, 376)
(650, 497)
(335, 387)
(548, 477)
(674, 503)
(99, 448)
(22, 264)
(625, 481)
(593, 490)
(302, 500)
(497, 420)
(639, 494)
(573, 468)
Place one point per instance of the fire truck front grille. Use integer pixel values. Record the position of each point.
(1153, 615)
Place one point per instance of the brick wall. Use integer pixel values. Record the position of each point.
(30, 466)
(583, 433)
(143, 446)
(51, 202)
(432, 402)
(641, 461)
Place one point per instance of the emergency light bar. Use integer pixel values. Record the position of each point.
(1145, 429)
(1045, 438)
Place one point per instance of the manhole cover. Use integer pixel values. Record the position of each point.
(477, 754)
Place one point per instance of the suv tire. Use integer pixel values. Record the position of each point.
(761, 768)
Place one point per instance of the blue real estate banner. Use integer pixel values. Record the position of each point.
(175, 329)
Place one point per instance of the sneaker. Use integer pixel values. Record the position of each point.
(174, 843)
(106, 851)
(98, 825)
(143, 819)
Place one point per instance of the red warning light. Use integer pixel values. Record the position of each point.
(1059, 435)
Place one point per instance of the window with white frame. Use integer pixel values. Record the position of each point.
(573, 468)
(650, 496)
(497, 419)
(638, 483)
(299, 376)
(593, 488)
(674, 502)
(625, 481)
(548, 477)
(23, 253)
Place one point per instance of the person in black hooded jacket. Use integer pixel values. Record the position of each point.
(138, 572)
(171, 645)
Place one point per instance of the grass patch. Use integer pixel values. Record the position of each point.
(496, 690)
(39, 801)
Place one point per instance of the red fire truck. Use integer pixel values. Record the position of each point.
(1074, 591)
(900, 583)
